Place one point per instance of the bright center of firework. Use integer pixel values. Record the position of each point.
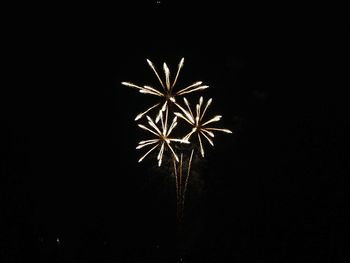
(171, 98)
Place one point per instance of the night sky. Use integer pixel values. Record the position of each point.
(71, 189)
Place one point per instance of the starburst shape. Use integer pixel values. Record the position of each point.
(199, 126)
(163, 139)
(166, 93)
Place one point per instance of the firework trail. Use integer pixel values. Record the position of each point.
(181, 185)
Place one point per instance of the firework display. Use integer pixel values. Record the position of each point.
(199, 126)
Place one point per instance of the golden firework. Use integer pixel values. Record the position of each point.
(163, 137)
(163, 142)
(199, 126)
(167, 92)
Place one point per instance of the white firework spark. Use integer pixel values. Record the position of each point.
(200, 127)
(163, 137)
(166, 93)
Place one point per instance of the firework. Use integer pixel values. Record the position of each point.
(163, 139)
(166, 93)
(199, 126)
(163, 142)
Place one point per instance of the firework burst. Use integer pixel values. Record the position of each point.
(199, 126)
(163, 139)
(163, 142)
(167, 94)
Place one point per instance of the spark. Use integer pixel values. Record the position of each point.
(166, 93)
(163, 139)
(199, 126)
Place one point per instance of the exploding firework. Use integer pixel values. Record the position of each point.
(163, 140)
(167, 94)
(200, 127)
(163, 137)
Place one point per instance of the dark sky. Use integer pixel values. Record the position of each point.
(275, 191)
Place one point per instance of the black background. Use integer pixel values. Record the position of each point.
(274, 191)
